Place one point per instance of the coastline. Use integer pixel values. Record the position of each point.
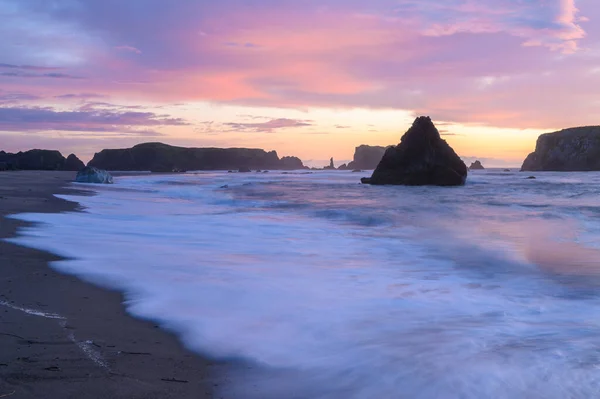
(63, 337)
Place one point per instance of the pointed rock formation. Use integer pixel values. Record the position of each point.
(421, 158)
(331, 165)
(476, 166)
(73, 163)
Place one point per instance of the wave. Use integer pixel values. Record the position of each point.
(327, 289)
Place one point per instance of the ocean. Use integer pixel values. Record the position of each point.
(316, 286)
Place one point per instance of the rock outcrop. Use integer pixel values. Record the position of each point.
(291, 163)
(73, 163)
(40, 160)
(158, 157)
(331, 165)
(476, 166)
(367, 157)
(569, 150)
(421, 158)
(89, 174)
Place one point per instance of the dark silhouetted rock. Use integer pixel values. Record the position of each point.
(158, 157)
(40, 160)
(507, 170)
(343, 167)
(331, 165)
(421, 158)
(476, 166)
(530, 178)
(569, 150)
(89, 174)
(290, 163)
(367, 157)
(244, 170)
(73, 163)
(356, 171)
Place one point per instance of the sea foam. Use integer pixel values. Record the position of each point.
(324, 288)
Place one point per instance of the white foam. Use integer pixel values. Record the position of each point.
(33, 312)
(346, 292)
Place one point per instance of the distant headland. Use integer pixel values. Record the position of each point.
(569, 150)
(573, 149)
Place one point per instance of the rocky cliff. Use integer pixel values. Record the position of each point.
(575, 149)
(158, 157)
(366, 157)
(421, 158)
(39, 160)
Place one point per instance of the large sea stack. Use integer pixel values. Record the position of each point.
(569, 150)
(40, 160)
(421, 158)
(158, 157)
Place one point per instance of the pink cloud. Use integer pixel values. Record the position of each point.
(429, 56)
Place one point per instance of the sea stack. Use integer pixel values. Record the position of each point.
(568, 150)
(331, 165)
(476, 166)
(421, 158)
(366, 157)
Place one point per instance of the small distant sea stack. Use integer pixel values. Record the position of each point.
(476, 166)
(421, 158)
(569, 150)
(331, 165)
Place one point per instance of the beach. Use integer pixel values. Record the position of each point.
(64, 338)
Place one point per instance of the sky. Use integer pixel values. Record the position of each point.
(311, 78)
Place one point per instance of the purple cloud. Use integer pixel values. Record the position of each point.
(53, 75)
(22, 119)
(28, 67)
(269, 126)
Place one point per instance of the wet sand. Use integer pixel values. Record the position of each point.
(64, 338)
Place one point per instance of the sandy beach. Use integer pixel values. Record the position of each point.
(64, 338)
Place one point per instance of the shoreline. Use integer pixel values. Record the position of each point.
(63, 337)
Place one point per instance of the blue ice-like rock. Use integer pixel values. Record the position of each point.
(89, 174)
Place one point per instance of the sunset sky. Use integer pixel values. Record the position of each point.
(311, 78)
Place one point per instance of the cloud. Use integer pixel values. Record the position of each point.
(53, 75)
(79, 96)
(23, 119)
(554, 24)
(269, 126)
(464, 60)
(129, 49)
(28, 67)
(16, 97)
